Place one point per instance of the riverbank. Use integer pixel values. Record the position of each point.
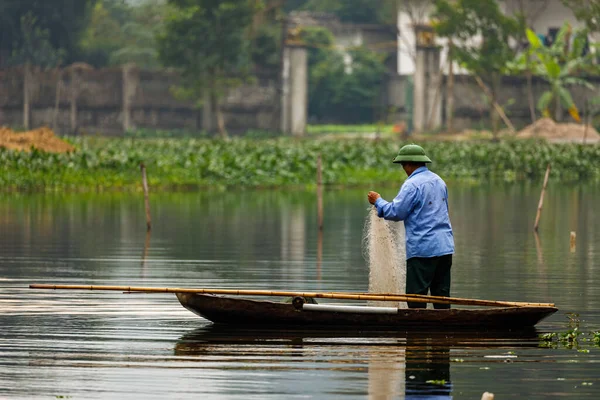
(113, 163)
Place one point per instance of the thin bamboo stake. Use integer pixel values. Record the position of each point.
(541, 203)
(319, 193)
(573, 240)
(334, 295)
(146, 198)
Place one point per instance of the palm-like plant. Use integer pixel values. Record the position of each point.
(561, 65)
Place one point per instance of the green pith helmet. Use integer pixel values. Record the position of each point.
(411, 153)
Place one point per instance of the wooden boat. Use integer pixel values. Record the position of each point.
(301, 313)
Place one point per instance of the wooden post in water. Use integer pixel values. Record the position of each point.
(572, 246)
(319, 194)
(146, 198)
(541, 203)
(319, 216)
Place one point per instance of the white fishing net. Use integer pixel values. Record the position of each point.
(385, 252)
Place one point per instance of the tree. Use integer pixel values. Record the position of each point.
(587, 11)
(207, 41)
(560, 65)
(34, 50)
(121, 33)
(63, 20)
(481, 36)
(341, 90)
(351, 11)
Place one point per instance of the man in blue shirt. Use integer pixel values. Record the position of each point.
(422, 204)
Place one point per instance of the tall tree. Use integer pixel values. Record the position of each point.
(120, 33)
(481, 35)
(207, 41)
(64, 20)
(587, 11)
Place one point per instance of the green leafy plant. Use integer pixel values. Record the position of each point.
(560, 65)
(191, 162)
(461, 21)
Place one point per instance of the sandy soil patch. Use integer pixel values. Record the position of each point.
(42, 139)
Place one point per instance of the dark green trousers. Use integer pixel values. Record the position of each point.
(424, 274)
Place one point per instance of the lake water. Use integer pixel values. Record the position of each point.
(89, 345)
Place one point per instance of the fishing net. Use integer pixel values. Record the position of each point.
(384, 250)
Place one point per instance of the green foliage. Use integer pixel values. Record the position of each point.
(207, 40)
(35, 47)
(121, 33)
(560, 65)
(340, 90)
(572, 338)
(335, 129)
(462, 20)
(587, 11)
(114, 163)
(63, 20)
(351, 11)
(266, 47)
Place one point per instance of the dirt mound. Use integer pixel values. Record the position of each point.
(546, 128)
(42, 139)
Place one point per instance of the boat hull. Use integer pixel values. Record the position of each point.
(240, 311)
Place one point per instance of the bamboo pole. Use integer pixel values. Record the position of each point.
(541, 203)
(331, 295)
(573, 240)
(146, 198)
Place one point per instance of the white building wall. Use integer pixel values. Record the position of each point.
(548, 14)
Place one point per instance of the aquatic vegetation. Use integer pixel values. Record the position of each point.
(572, 338)
(102, 163)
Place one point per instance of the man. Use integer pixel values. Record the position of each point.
(422, 204)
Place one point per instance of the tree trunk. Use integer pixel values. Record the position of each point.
(220, 119)
(530, 96)
(74, 95)
(57, 99)
(557, 108)
(493, 114)
(26, 96)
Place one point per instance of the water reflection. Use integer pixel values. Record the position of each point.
(406, 365)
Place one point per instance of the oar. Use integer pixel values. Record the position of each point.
(336, 295)
(458, 300)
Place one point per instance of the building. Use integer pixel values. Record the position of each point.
(543, 17)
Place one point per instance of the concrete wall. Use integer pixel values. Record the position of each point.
(109, 100)
(470, 107)
(471, 110)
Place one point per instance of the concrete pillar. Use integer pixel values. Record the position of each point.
(434, 93)
(131, 81)
(427, 89)
(285, 91)
(295, 90)
(419, 92)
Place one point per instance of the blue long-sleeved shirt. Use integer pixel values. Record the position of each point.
(422, 204)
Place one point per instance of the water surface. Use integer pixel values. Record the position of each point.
(112, 345)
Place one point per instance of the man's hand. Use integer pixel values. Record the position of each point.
(373, 196)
